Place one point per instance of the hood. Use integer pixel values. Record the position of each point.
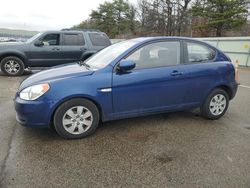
(57, 73)
(10, 46)
(11, 43)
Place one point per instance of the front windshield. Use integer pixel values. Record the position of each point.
(33, 38)
(107, 55)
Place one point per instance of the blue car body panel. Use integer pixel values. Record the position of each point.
(135, 93)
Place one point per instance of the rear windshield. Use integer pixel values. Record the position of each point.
(99, 39)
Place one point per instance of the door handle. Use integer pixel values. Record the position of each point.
(83, 49)
(55, 49)
(176, 73)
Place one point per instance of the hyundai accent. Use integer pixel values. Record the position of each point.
(132, 78)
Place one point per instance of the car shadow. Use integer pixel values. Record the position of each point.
(146, 121)
(26, 73)
(43, 134)
(118, 126)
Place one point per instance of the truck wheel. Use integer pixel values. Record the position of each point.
(76, 118)
(215, 105)
(12, 66)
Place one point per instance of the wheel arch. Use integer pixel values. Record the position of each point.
(227, 89)
(205, 106)
(224, 87)
(75, 97)
(15, 54)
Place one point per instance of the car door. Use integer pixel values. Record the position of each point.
(157, 83)
(48, 53)
(73, 46)
(202, 70)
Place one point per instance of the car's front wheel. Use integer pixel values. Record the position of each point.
(215, 105)
(12, 66)
(76, 118)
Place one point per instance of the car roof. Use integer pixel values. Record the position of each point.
(144, 39)
(152, 39)
(70, 31)
(84, 30)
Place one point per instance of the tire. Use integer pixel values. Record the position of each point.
(12, 66)
(215, 105)
(76, 118)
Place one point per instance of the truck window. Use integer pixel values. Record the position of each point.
(51, 40)
(99, 39)
(73, 39)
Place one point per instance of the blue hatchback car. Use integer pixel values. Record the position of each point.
(128, 79)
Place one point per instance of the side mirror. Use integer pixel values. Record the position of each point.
(126, 65)
(38, 43)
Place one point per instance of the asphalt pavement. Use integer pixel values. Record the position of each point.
(167, 150)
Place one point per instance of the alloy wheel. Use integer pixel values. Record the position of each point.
(12, 67)
(217, 104)
(77, 120)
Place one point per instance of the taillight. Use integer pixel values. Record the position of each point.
(236, 68)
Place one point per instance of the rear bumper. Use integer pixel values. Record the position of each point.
(234, 89)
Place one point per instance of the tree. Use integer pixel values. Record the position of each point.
(104, 18)
(120, 19)
(114, 18)
(86, 24)
(183, 15)
(164, 17)
(221, 14)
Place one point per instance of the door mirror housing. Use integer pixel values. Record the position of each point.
(126, 65)
(39, 43)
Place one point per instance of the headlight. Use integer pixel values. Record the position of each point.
(34, 92)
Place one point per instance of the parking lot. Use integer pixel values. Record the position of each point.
(168, 150)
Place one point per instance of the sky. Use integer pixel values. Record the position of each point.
(40, 15)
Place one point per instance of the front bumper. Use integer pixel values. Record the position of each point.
(33, 113)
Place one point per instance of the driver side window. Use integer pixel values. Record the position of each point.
(159, 54)
(51, 40)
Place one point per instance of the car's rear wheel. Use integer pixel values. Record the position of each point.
(215, 105)
(76, 118)
(12, 66)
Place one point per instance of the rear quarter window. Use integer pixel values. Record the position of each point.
(99, 39)
(197, 53)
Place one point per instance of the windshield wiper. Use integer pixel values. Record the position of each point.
(82, 63)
